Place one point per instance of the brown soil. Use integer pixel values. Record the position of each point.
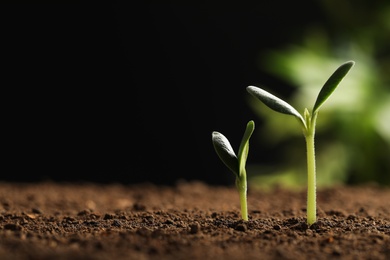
(189, 221)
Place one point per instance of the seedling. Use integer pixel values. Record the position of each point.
(236, 163)
(308, 122)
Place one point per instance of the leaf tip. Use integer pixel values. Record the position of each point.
(349, 64)
(250, 88)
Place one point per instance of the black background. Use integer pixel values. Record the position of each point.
(124, 93)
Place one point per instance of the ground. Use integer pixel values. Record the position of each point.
(190, 220)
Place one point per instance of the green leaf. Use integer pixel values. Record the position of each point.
(274, 102)
(244, 146)
(225, 152)
(331, 84)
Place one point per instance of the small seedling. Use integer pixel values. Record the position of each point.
(308, 122)
(236, 163)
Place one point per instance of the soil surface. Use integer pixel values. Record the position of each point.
(190, 220)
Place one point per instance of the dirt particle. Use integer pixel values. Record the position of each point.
(83, 212)
(116, 223)
(336, 251)
(143, 231)
(90, 204)
(317, 226)
(309, 232)
(139, 207)
(277, 227)
(31, 216)
(36, 211)
(329, 240)
(335, 213)
(194, 228)
(149, 219)
(214, 215)
(108, 216)
(13, 227)
(168, 222)
(6, 205)
(241, 227)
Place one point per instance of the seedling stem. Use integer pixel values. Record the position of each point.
(311, 168)
(242, 188)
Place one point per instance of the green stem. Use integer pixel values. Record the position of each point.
(309, 131)
(242, 190)
(311, 179)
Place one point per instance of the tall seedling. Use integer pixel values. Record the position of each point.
(308, 122)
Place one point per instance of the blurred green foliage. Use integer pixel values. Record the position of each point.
(353, 127)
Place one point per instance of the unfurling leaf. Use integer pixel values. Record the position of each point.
(331, 84)
(244, 146)
(225, 152)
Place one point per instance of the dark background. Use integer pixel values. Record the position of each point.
(131, 93)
